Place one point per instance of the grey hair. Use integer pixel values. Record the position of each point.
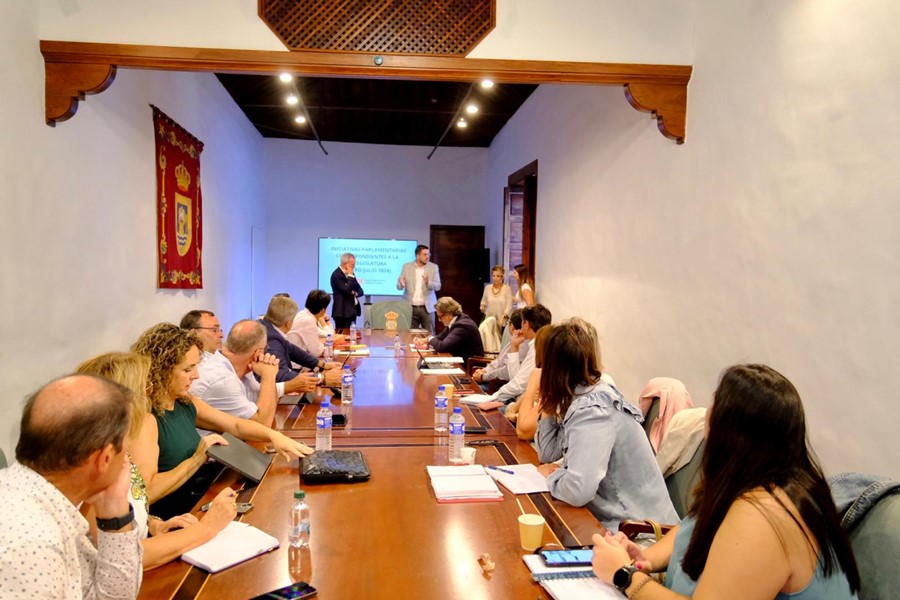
(448, 306)
(245, 336)
(345, 258)
(281, 310)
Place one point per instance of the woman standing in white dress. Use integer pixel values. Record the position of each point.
(525, 295)
(497, 298)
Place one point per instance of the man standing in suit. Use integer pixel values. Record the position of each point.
(346, 291)
(419, 281)
(460, 336)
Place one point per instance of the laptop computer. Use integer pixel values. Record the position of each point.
(242, 457)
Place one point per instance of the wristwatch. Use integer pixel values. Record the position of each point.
(622, 577)
(321, 379)
(116, 523)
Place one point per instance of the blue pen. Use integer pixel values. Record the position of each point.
(507, 471)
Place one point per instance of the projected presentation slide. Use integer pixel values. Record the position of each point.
(378, 262)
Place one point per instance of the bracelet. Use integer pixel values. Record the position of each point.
(633, 592)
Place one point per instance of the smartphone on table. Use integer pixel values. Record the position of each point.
(295, 591)
(567, 557)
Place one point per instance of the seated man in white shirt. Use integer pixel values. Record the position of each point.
(205, 324)
(533, 318)
(70, 450)
(498, 369)
(227, 379)
(305, 332)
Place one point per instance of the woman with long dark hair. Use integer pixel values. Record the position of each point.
(763, 524)
(607, 462)
(525, 294)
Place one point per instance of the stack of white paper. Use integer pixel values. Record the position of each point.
(234, 544)
(463, 483)
(476, 399)
(524, 479)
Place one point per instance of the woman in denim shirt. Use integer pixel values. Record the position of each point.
(607, 464)
(762, 525)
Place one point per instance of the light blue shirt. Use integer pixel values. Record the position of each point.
(819, 587)
(608, 463)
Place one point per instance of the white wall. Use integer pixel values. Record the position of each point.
(769, 236)
(656, 31)
(78, 230)
(360, 191)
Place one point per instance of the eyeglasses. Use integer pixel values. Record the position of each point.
(213, 329)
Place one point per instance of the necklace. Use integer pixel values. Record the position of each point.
(495, 290)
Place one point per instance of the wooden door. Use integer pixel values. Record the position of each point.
(458, 250)
(520, 221)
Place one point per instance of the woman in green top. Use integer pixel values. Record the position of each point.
(174, 354)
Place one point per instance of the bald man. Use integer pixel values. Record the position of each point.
(71, 450)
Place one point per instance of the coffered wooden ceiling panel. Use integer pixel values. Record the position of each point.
(376, 111)
(421, 27)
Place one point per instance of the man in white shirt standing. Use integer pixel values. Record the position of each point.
(227, 379)
(70, 450)
(419, 280)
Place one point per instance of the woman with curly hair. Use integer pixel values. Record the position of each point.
(166, 540)
(174, 354)
(763, 523)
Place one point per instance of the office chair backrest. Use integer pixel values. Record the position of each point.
(681, 483)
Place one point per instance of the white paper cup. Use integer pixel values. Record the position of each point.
(468, 455)
(531, 531)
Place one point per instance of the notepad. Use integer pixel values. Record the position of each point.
(443, 359)
(234, 544)
(477, 399)
(464, 483)
(353, 351)
(442, 371)
(569, 583)
(527, 479)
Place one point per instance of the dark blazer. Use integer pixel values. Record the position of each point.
(279, 347)
(342, 288)
(460, 339)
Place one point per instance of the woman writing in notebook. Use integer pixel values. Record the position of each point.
(763, 524)
(607, 464)
(180, 476)
(171, 538)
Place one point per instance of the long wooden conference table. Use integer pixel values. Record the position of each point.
(387, 537)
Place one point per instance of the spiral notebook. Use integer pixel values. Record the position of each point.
(569, 583)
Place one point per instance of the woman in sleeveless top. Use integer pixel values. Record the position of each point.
(497, 298)
(525, 294)
(762, 525)
(163, 540)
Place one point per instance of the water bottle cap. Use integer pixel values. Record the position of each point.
(457, 410)
(346, 367)
(299, 495)
(442, 387)
(324, 402)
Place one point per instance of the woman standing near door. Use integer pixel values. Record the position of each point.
(525, 295)
(497, 298)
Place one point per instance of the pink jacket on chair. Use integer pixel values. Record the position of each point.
(673, 397)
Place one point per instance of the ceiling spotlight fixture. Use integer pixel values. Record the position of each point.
(462, 123)
(487, 84)
(292, 99)
(286, 77)
(471, 108)
(300, 119)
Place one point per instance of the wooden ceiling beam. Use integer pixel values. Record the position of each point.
(73, 69)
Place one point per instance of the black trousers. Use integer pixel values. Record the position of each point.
(421, 319)
(184, 499)
(342, 322)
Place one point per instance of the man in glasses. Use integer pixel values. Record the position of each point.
(205, 324)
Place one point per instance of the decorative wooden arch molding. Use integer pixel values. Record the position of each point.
(73, 69)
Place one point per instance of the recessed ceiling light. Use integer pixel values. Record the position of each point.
(462, 124)
(286, 77)
(300, 119)
(292, 99)
(487, 84)
(471, 108)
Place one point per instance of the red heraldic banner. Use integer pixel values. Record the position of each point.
(178, 203)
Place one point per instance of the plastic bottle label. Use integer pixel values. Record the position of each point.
(323, 422)
(440, 402)
(304, 528)
(457, 428)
